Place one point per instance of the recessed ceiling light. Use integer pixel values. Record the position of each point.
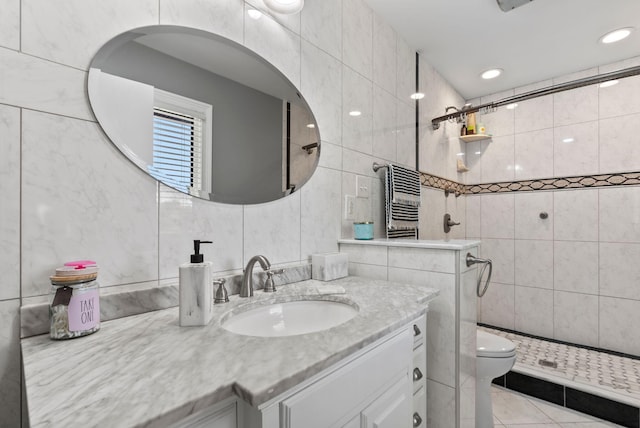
(608, 83)
(355, 113)
(616, 35)
(491, 74)
(417, 96)
(460, 154)
(254, 13)
(511, 106)
(285, 6)
(311, 125)
(568, 140)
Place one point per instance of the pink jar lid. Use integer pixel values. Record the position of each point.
(77, 267)
(81, 264)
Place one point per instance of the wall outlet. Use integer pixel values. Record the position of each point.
(363, 184)
(349, 207)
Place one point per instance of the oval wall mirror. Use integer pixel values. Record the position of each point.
(203, 114)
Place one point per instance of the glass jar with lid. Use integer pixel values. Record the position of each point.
(74, 310)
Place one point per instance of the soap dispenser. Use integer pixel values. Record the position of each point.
(196, 290)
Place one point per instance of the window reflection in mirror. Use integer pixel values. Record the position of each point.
(181, 143)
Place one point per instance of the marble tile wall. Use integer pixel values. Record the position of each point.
(439, 151)
(377, 81)
(441, 148)
(67, 193)
(574, 275)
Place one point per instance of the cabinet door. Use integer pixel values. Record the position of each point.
(353, 423)
(217, 416)
(392, 409)
(350, 388)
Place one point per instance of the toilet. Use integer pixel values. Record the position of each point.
(495, 356)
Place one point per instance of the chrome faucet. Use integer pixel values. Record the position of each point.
(247, 280)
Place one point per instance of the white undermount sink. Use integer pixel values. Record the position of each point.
(290, 318)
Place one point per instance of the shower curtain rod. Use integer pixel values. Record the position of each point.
(483, 108)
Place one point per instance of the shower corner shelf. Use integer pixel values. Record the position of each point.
(474, 137)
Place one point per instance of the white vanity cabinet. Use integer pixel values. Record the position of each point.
(376, 387)
(372, 388)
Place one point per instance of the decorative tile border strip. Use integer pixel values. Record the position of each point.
(436, 182)
(577, 182)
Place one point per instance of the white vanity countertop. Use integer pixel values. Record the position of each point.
(454, 244)
(145, 370)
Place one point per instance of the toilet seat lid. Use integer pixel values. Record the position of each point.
(490, 345)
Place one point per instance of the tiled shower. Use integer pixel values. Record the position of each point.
(561, 223)
(573, 276)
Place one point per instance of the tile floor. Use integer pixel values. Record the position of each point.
(514, 410)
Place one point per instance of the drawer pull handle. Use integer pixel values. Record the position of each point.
(417, 374)
(417, 420)
(416, 330)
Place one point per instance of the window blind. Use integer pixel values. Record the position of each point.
(177, 149)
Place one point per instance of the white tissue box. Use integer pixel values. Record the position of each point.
(330, 266)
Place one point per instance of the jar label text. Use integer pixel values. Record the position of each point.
(84, 311)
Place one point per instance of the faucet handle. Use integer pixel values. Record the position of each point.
(221, 293)
(269, 286)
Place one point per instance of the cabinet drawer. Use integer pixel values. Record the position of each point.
(419, 369)
(420, 408)
(350, 387)
(419, 329)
